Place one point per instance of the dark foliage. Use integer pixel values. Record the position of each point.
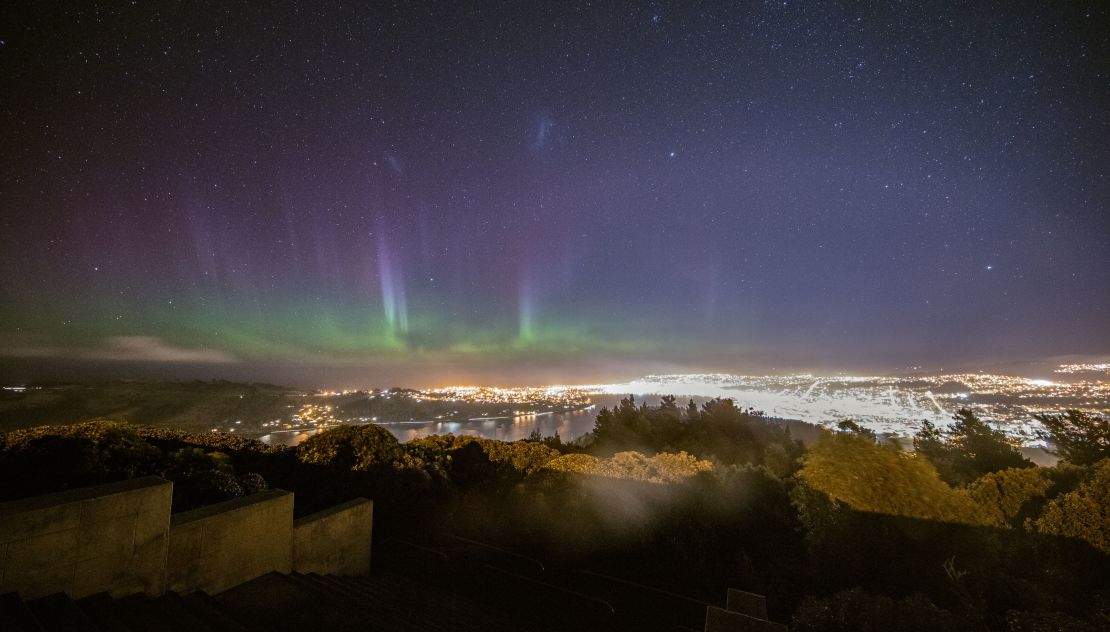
(860, 611)
(719, 430)
(1079, 438)
(967, 449)
(871, 534)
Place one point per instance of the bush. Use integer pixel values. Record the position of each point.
(860, 611)
(1079, 438)
(574, 464)
(866, 476)
(1040, 621)
(351, 448)
(1083, 513)
(633, 466)
(54, 458)
(1008, 497)
(968, 449)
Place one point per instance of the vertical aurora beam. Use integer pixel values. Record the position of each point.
(394, 305)
(526, 307)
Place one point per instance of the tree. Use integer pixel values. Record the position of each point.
(778, 461)
(866, 476)
(351, 447)
(847, 425)
(1010, 496)
(1083, 513)
(522, 457)
(968, 449)
(1079, 438)
(624, 426)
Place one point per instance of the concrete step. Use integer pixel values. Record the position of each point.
(424, 563)
(175, 609)
(544, 602)
(203, 608)
(639, 606)
(101, 609)
(405, 604)
(479, 553)
(58, 613)
(276, 602)
(478, 614)
(385, 615)
(403, 611)
(435, 604)
(375, 589)
(139, 614)
(16, 616)
(339, 588)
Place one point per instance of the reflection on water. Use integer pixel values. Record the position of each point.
(290, 437)
(569, 425)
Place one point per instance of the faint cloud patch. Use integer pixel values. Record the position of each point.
(154, 349)
(125, 349)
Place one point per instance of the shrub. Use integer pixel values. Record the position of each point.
(1083, 513)
(351, 448)
(866, 476)
(634, 466)
(1006, 497)
(53, 458)
(1079, 438)
(860, 611)
(968, 449)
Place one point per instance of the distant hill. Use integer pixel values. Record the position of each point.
(247, 409)
(194, 406)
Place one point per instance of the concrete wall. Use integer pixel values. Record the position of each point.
(720, 620)
(219, 546)
(747, 603)
(335, 541)
(120, 538)
(109, 537)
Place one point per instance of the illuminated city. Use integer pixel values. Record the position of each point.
(895, 405)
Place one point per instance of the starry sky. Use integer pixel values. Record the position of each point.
(434, 192)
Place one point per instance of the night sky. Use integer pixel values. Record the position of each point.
(577, 191)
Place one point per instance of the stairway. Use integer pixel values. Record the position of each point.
(566, 599)
(273, 602)
(560, 599)
(438, 586)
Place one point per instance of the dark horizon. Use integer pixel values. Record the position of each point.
(417, 374)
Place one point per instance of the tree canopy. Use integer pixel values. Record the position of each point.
(866, 476)
(1078, 437)
(1083, 513)
(967, 449)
